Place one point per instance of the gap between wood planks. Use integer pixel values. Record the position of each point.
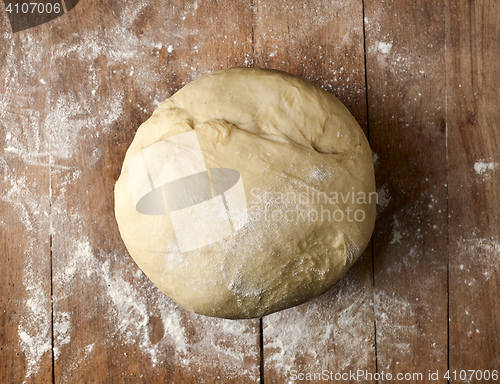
(447, 196)
(368, 136)
(51, 293)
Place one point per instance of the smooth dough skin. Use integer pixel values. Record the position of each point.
(304, 212)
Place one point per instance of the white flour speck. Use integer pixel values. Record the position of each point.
(396, 233)
(383, 198)
(483, 168)
(62, 331)
(384, 48)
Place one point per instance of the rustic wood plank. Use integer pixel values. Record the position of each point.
(473, 81)
(323, 43)
(110, 323)
(406, 104)
(25, 281)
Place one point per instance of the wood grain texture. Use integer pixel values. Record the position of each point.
(323, 43)
(407, 121)
(473, 80)
(25, 272)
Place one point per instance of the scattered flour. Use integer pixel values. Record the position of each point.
(398, 318)
(384, 48)
(134, 301)
(62, 328)
(34, 326)
(477, 262)
(396, 234)
(342, 332)
(486, 251)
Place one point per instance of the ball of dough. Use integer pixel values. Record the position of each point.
(246, 192)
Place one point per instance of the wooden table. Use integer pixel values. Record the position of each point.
(421, 77)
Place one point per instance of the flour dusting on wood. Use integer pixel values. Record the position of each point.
(31, 214)
(485, 169)
(134, 302)
(306, 333)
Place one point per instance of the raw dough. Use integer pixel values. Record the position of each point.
(266, 156)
